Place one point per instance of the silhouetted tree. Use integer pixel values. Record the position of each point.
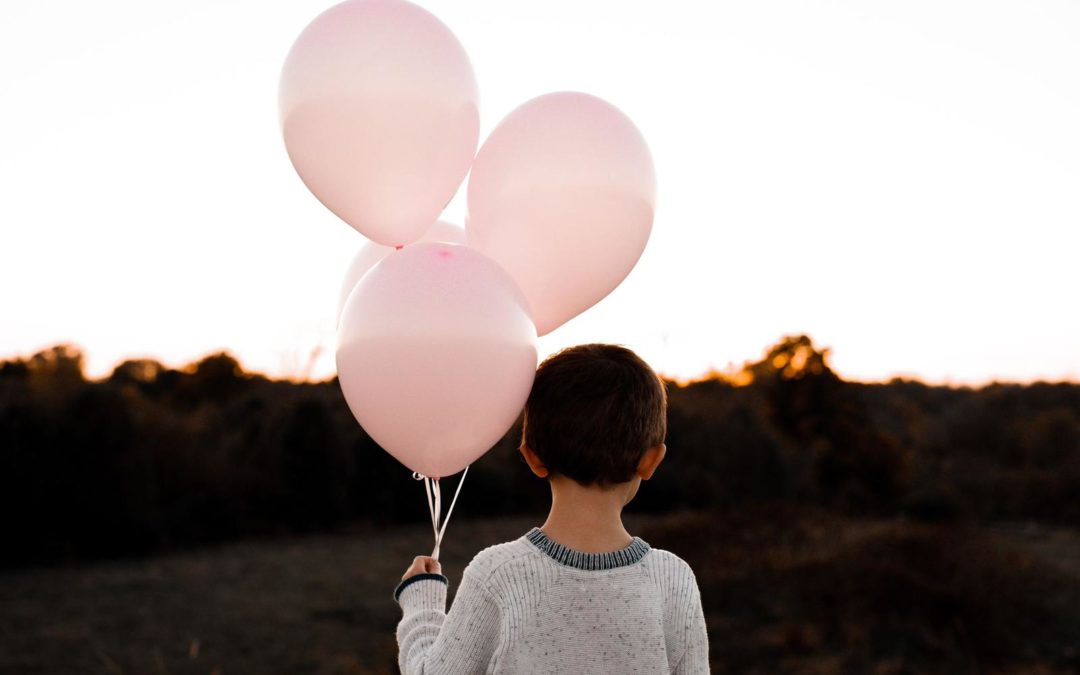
(214, 379)
(855, 463)
(318, 467)
(153, 457)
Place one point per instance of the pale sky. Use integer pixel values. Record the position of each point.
(900, 180)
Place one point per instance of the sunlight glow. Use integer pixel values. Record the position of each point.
(897, 180)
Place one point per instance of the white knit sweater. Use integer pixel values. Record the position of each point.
(534, 606)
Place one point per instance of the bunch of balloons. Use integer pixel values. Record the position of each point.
(437, 324)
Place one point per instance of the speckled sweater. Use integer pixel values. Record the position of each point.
(534, 606)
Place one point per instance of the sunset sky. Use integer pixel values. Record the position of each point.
(900, 180)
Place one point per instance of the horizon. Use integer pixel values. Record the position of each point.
(730, 373)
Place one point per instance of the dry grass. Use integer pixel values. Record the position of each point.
(320, 604)
(786, 592)
(795, 591)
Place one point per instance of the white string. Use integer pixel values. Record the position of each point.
(434, 497)
(431, 504)
(442, 530)
(437, 489)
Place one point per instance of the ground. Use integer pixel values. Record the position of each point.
(322, 603)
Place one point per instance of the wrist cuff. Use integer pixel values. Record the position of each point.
(438, 590)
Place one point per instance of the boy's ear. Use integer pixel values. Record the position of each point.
(533, 461)
(650, 460)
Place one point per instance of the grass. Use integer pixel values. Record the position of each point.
(806, 591)
(786, 591)
(319, 604)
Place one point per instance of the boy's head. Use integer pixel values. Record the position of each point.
(593, 412)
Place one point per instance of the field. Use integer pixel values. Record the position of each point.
(786, 592)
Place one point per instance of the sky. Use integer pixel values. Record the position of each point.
(900, 181)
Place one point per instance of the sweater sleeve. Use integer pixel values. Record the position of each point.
(695, 658)
(431, 640)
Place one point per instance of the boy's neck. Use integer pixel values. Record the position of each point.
(588, 519)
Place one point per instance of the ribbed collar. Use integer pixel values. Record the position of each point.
(588, 561)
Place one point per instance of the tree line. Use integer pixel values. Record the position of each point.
(153, 458)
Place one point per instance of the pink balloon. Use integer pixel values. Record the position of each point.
(371, 253)
(562, 195)
(436, 355)
(379, 109)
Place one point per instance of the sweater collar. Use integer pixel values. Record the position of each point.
(588, 561)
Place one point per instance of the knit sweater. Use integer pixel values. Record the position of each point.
(534, 606)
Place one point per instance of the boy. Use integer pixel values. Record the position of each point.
(578, 594)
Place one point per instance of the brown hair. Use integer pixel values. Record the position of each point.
(593, 412)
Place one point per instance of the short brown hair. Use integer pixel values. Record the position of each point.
(593, 412)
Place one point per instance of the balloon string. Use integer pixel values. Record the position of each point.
(442, 530)
(438, 512)
(434, 498)
(431, 504)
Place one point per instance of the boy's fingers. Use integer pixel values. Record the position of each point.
(423, 564)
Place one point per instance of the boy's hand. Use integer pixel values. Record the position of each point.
(422, 564)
